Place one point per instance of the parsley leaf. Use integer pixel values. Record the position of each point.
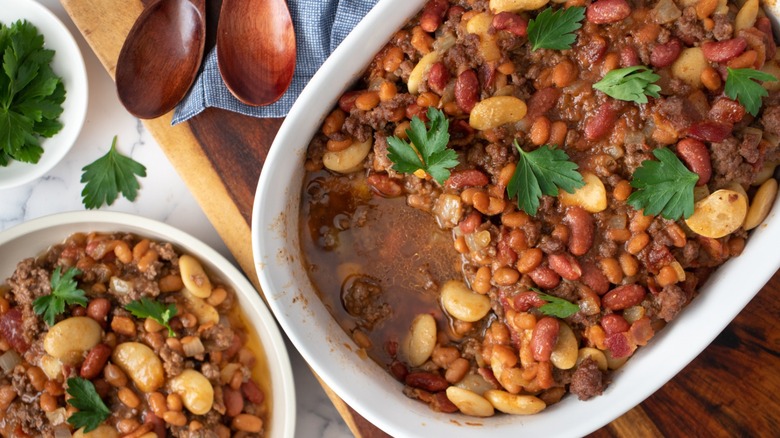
(632, 84)
(108, 176)
(427, 151)
(31, 95)
(542, 172)
(92, 411)
(555, 29)
(557, 307)
(664, 186)
(147, 308)
(64, 290)
(741, 86)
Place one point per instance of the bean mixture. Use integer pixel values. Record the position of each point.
(449, 285)
(190, 372)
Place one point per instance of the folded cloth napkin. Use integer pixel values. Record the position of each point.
(320, 26)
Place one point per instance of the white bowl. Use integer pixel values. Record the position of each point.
(34, 237)
(369, 389)
(67, 64)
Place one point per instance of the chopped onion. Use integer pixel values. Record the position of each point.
(477, 241)
(62, 432)
(665, 11)
(57, 417)
(9, 360)
(192, 346)
(447, 210)
(119, 286)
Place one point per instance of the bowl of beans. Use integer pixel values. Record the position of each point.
(117, 325)
(504, 216)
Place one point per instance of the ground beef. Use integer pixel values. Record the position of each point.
(30, 417)
(217, 337)
(678, 111)
(728, 165)
(670, 302)
(770, 120)
(587, 381)
(380, 161)
(748, 148)
(724, 28)
(689, 28)
(27, 283)
(173, 362)
(363, 300)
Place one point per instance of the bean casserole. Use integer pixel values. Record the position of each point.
(113, 334)
(462, 290)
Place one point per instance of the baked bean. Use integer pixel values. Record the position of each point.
(234, 401)
(157, 403)
(393, 58)
(639, 222)
(710, 78)
(540, 131)
(582, 226)
(506, 276)
(367, 101)
(247, 423)
(618, 234)
(122, 252)
(147, 260)
(558, 131)
(666, 276)
(175, 418)
(637, 243)
(47, 402)
(128, 397)
(607, 11)
(612, 270)
(623, 297)
(748, 59)
(611, 62)
(705, 8)
(564, 73)
(481, 283)
(126, 426)
(529, 260)
(457, 370)
(628, 264)
(123, 325)
(37, 378)
(515, 219)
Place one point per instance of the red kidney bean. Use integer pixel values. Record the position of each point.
(77, 310)
(607, 11)
(441, 403)
(722, 51)
(565, 265)
(414, 110)
(664, 55)
(524, 301)
(467, 90)
(581, 227)
(432, 14)
(98, 309)
(347, 100)
(234, 402)
(461, 179)
(543, 338)
(764, 25)
(511, 22)
(438, 77)
(696, 156)
(382, 184)
(157, 422)
(545, 277)
(629, 56)
(725, 110)
(470, 222)
(505, 255)
(427, 381)
(614, 323)
(252, 392)
(594, 278)
(594, 49)
(709, 130)
(94, 361)
(623, 297)
(600, 124)
(542, 101)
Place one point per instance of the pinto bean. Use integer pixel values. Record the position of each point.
(461, 179)
(710, 130)
(95, 361)
(607, 11)
(432, 14)
(427, 381)
(511, 22)
(600, 124)
(565, 265)
(623, 297)
(696, 156)
(543, 338)
(438, 77)
(723, 51)
(467, 90)
(664, 55)
(581, 224)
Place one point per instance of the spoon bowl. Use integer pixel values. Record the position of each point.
(161, 56)
(256, 49)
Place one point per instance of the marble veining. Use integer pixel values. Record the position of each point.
(163, 196)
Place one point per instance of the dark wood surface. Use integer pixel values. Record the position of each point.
(731, 389)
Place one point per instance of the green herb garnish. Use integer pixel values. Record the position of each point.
(632, 84)
(64, 290)
(428, 148)
(108, 176)
(741, 86)
(542, 172)
(557, 307)
(147, 308)
(92, 411)
(31, 95)
(664, 186)
(555, 29)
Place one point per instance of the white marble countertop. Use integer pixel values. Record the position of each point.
(163, 196)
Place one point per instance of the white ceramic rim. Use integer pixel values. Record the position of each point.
(281, 378)
(69, 65)
(361, 383)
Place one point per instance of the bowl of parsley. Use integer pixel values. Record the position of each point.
(43, 92)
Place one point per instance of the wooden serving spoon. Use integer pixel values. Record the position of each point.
(161, 56)
(256, 49)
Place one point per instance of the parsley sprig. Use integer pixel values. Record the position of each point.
(427, 151)
(92, 410)
(741, 85)
(557, 307)
(632, 84)
(64, 291)
(31, 94)
(542, 172)
(108, 176)
(664, 186)
(554, 29)
(147, 308)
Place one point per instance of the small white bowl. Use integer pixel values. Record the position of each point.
(36, 236)
(368, 388)
(67, 64)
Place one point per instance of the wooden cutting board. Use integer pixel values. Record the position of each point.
(731, 389)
